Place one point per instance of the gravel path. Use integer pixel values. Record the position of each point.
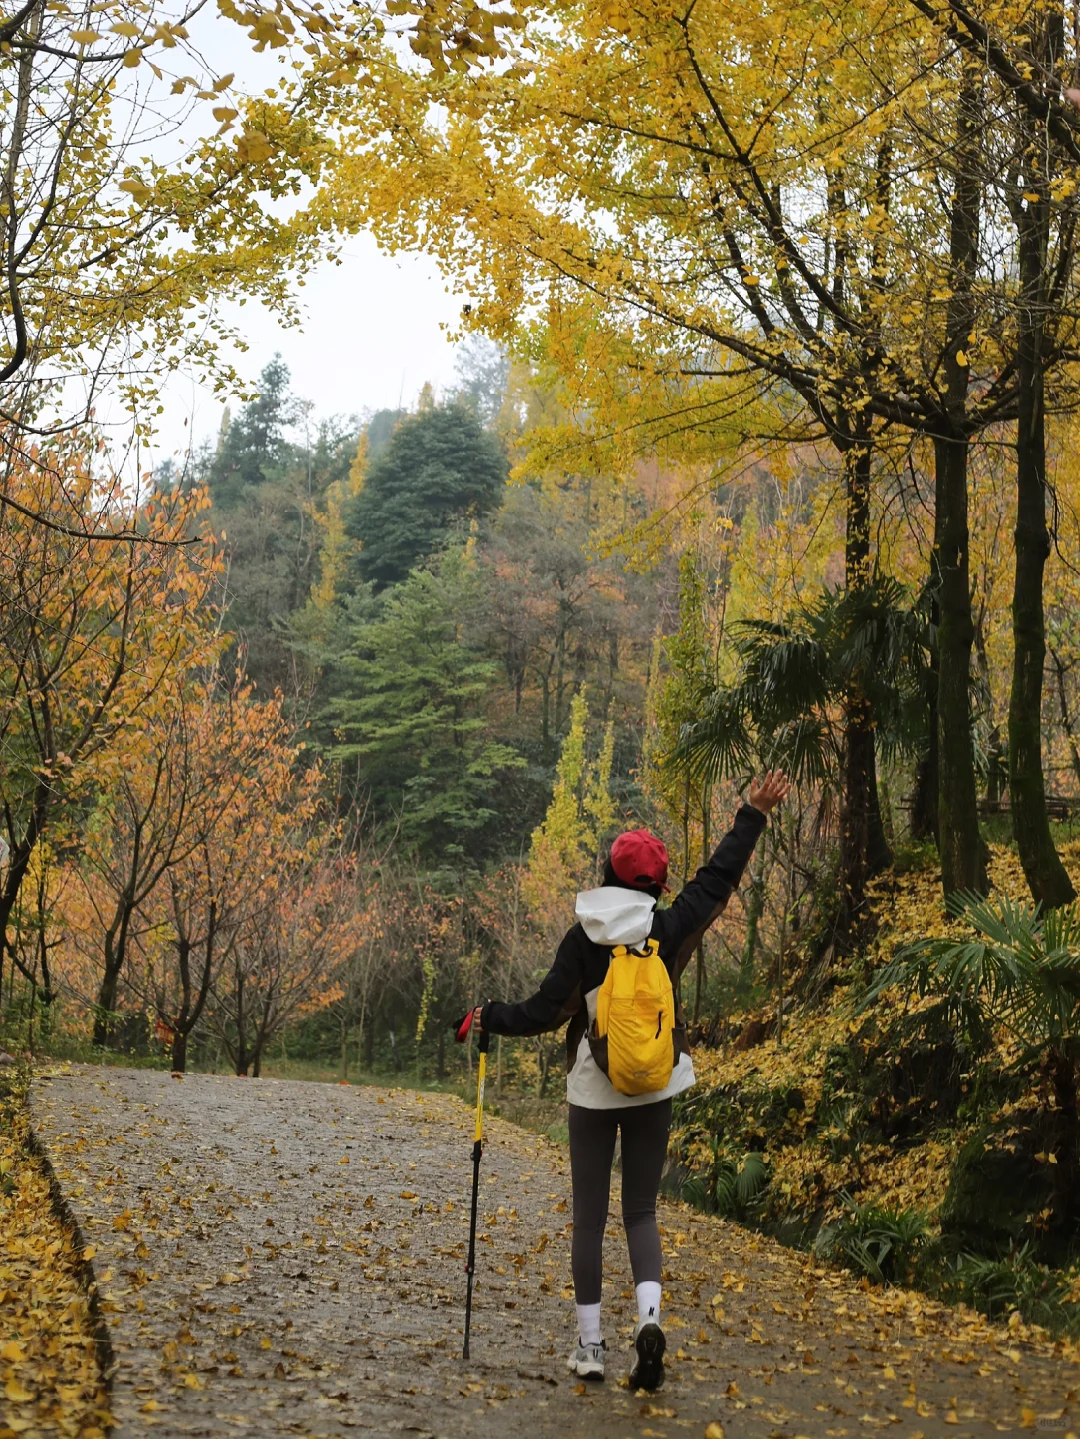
(286, 1258)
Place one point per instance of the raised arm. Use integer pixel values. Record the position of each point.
(703, 899)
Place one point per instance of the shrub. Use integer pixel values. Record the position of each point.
(1016, 1281)
(875, 1240)
(732, 1189)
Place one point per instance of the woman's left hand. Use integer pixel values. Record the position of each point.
(772, 790)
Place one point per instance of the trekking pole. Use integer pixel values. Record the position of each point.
(478, 1149)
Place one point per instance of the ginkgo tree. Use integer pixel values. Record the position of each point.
(706, 235)
(729, 221)
(142, 186)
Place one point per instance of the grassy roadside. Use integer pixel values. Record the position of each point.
(51, 1382)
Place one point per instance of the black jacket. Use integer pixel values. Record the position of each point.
(580, 964)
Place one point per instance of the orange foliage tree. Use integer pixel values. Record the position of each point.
(92, 634)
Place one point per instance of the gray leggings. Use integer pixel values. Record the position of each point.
(592, 1148)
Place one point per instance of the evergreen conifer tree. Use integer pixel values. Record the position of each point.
(440, 466)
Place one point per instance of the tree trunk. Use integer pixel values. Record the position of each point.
(1062, 1074)
(1066, 716)
(924, 813)
(864, 850)
(180, 1030)
(754, 910)
(241, 1032)
(1049, 883)
(18, 864)
(106, 999)
(960, 845)
(706, 817)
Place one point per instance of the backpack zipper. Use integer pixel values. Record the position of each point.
(659, 1024)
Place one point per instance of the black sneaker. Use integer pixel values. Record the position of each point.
(648, 1370)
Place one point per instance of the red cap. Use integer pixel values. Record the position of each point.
(639, 858)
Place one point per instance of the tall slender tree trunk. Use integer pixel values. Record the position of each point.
(18, 863)
(924, 813)
(706, 837)
(1067, 721)
(1046, 876)
(115, 949)
(960, 845)
(755, 908)
(864, 849)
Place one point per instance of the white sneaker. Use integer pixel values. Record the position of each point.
(649, 1346)
(587, 1360)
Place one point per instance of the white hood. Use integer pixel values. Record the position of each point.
(611, 915)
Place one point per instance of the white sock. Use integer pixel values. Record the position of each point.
(648, 1302)
(588, 1322)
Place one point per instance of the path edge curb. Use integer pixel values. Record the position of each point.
(84, 1268)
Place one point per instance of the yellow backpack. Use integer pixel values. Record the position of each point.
(635, 1020)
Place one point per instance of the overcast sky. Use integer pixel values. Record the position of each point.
(373, 327)
(370, 339)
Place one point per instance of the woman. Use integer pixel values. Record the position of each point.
(622, 912)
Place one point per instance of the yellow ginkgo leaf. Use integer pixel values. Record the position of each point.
(17, 1391)
(253, 147)
(140, 193)
(85, 37)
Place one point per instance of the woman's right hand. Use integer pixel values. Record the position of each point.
(464, 1026)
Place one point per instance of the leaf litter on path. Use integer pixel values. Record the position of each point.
(50, 1378)
(255, 1286)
